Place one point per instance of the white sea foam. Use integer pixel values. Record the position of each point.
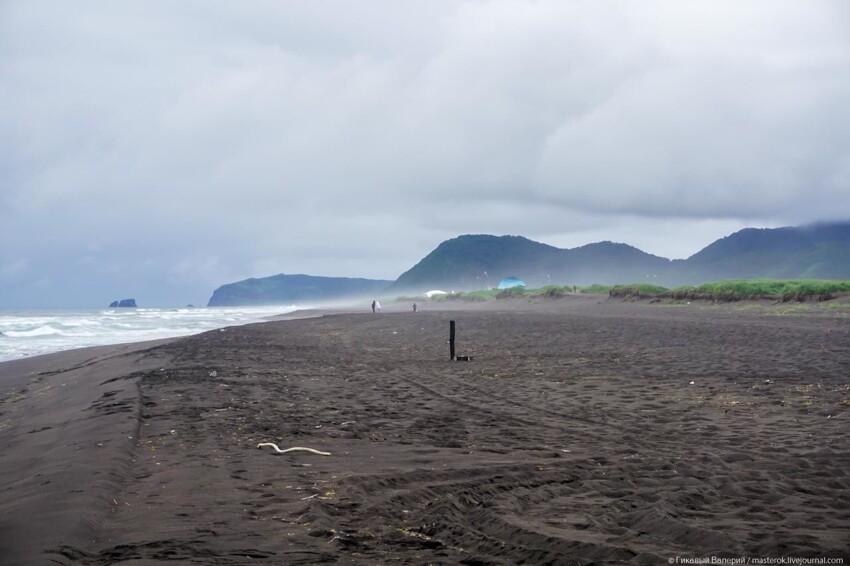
(33, 333)
(29, 333)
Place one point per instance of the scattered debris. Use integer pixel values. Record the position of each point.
(293, 449)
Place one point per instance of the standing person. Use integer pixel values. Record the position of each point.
(378, 305)
(414, 307)
(374, 306)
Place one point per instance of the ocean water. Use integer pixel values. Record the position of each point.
(32, 332)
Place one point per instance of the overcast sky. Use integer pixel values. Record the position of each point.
(158, 149)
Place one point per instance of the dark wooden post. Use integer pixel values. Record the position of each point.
(451, 340)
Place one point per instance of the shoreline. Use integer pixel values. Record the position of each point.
(38, 332)
(575, 434)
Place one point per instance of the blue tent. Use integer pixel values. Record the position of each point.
(511, 282)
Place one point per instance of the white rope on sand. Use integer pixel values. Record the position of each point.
(293, 449)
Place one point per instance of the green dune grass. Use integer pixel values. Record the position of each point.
(785, 290)
(777, 289)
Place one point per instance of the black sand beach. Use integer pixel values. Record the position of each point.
(582, 432)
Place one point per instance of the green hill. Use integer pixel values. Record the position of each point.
(808, 252)
(476, 262)
(481, 261)
(287, 289)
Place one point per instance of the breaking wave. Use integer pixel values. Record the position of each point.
(29, 333)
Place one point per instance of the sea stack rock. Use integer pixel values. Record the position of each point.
(123, 303)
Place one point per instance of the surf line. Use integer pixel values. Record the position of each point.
(293, 449)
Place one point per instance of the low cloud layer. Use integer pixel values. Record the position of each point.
(160, 149)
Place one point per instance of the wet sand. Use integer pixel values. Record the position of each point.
(582, 432)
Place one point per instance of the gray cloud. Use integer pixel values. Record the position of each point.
(161, 149)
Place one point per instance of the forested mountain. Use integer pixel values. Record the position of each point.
(478, 261)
